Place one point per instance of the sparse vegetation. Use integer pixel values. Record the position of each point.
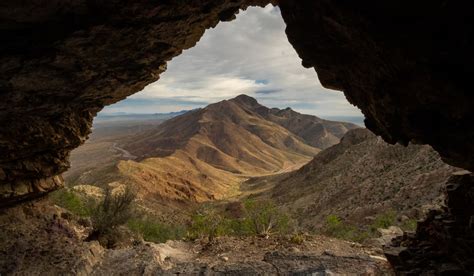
(256, 218)
(207, 222)
(72, 202)
(384, 220)
(335, 227)
(260, 218)
(114, 210)
(409, 225)
(297, 238)
(152, 230)
(265, 218)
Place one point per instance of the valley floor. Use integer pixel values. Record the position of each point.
(40, 238)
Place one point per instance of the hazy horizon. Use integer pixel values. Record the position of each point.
(356, 119)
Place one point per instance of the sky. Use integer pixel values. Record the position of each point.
(250, 55)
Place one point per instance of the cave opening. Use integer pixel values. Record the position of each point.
(229, 61)
(181, 140)
(54, 83)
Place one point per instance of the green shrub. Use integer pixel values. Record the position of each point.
(207, 223)
(260, 218)
(72, 202)
(114, 210)
(297, 238)
(409, 225)
(264, 217)
(333, 222)
(334, 227)
(239, 227)
(384, 220)
(152, 230)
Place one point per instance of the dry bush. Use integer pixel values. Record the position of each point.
(114, 210)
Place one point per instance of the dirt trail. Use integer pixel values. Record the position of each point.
(125, 153)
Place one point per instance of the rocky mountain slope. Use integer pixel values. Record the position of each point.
(314, 131)
(227, 135)
(358, 178)
(206, 153)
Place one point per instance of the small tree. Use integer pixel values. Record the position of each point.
(114, 210)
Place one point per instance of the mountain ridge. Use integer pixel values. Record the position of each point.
(302, 125)
(204, 154)
(306, 129)
(357, 179)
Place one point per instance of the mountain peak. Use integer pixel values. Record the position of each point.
(246, 100)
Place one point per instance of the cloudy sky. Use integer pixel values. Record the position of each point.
(250, 55)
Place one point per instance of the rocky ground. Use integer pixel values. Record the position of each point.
(39, 238)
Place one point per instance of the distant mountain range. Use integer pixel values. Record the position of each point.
(123, 116)
(206, 153)
(313, 130)
(358, 120)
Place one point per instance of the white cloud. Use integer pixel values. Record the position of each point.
(250, 55)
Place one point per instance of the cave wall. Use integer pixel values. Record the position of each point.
(405, 64)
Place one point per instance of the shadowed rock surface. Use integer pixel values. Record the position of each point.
(444, 243)
(404, 64)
